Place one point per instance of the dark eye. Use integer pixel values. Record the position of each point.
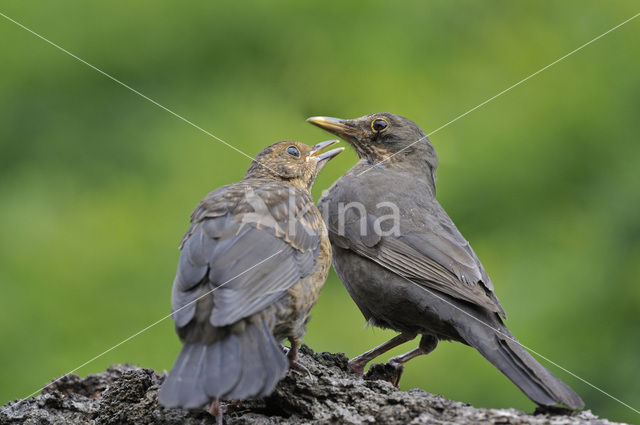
(293, 151)
(378, 125)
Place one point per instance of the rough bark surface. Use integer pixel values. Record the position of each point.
(330, 394)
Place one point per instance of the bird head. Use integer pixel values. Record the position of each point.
(383, 137)
(292, 162)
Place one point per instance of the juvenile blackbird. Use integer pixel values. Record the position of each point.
(251, 268)
(405, 263)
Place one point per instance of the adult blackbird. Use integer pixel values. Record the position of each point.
(251, 268)
(406, 265)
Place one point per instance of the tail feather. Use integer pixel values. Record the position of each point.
(253, 370)
(240, 366)
(222, 375)
(505, 353)
(183, 386)
(276, 365)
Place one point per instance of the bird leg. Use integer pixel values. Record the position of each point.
(428, 343)
(292, 356)
(357, 364)
(217, 410)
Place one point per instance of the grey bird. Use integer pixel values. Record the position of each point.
(406, 265)
(251, 268)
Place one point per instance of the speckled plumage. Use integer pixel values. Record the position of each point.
(251, 268)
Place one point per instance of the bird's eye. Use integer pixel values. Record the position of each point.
(379, 125)
(293, 151)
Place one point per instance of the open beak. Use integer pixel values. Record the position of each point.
(341, 128)
(318, 153)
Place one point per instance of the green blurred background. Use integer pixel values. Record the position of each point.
(97, 184)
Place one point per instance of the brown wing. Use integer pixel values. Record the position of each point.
(245, 251)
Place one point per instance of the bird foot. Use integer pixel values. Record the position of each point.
(295, 365)
(356, 367)
(217, 410)
(292, 356)
(398, 369)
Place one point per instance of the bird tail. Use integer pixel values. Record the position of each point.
(505, 352)
(241, 365)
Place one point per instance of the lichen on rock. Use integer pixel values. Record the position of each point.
(127, 394)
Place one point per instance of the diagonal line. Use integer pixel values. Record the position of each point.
(243, 153)
(520, 344)
(150, 326)
(135, 91)
(504, 91)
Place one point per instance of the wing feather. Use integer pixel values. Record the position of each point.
(247, 265)
(426, 246)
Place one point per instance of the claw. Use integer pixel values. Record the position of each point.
(292, 355)
(217, 410)
(295, 365)
(398, 370)
(356, 367)
(357, 364)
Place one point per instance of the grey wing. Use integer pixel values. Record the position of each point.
(433, 254)
(245, 268)
(435, 260)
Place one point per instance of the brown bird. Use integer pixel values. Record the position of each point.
(251, 268)
(405, 263)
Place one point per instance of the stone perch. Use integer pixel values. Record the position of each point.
(126, 394)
